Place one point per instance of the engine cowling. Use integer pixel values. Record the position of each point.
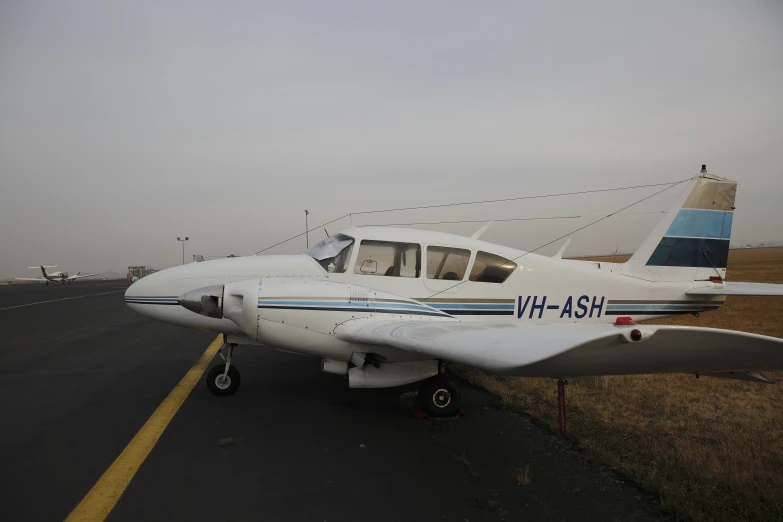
(300, 315)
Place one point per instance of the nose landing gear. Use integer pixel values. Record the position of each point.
(224, 379)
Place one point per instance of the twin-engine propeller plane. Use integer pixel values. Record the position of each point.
(53, 277)
(391, 306)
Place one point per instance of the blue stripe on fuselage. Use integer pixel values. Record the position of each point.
(372, 310)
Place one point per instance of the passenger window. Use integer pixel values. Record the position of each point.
(386, 258)
(489, 268)
(447, 263)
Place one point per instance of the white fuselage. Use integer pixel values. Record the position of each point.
(296, 317)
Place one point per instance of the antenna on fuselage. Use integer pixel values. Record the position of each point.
(562, 250)
(477, 233)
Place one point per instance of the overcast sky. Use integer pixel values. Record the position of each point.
(125, 125)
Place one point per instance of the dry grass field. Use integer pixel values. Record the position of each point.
(711, 449)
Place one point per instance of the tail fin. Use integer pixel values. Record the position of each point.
(691, 242)
(43, 268)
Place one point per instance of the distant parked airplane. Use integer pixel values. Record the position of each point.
(53, 277)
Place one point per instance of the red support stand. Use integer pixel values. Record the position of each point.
(561, 406)
(420, 414)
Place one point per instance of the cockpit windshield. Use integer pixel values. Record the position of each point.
(333, 253)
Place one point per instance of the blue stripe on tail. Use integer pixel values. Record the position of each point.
(714, 224)
(696, 238)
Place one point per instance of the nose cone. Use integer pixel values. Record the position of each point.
(153, 289)
(135, 289)
(148, 291)
(207, 301)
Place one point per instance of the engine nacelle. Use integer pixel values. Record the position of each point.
(388, 375)
(316, 306)
(240, 304)
(300, 315)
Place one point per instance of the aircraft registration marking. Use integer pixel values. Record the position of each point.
(579, 307)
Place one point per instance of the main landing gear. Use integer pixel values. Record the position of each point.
(223, 379)
(440, 396)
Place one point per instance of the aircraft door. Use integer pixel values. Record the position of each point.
(445, 267)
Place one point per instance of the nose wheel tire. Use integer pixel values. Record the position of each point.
(440, 396)
(220, 384)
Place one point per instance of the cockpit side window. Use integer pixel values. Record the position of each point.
(388, 258)
(447, 263)
(491, 268)
(333, 253)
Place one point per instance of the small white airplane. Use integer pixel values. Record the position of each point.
(391, 306)
(53, 277)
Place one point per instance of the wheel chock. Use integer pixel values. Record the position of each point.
(420, 414)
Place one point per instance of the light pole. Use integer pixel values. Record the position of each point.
(183, 248)
(307, 230)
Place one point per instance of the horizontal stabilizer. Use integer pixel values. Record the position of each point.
(743, 376)
(36, 279)
(573, 350)
(738, 289)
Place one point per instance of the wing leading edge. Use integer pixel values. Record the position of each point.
(573, 350)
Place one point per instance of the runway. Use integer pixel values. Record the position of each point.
(81, 374)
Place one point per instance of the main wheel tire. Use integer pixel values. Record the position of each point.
(218, 385)
(440, 396)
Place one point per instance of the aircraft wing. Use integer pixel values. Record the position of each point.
(739, 289)
(78, 276)
(38, 279)
(573, 350)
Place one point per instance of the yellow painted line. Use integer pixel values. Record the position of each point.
(63, 299)
(103, 496)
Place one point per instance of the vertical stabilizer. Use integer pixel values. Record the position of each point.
(691, 242)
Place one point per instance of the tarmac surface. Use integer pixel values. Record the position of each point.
(80, 374)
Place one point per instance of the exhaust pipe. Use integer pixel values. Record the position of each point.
(335, 367)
